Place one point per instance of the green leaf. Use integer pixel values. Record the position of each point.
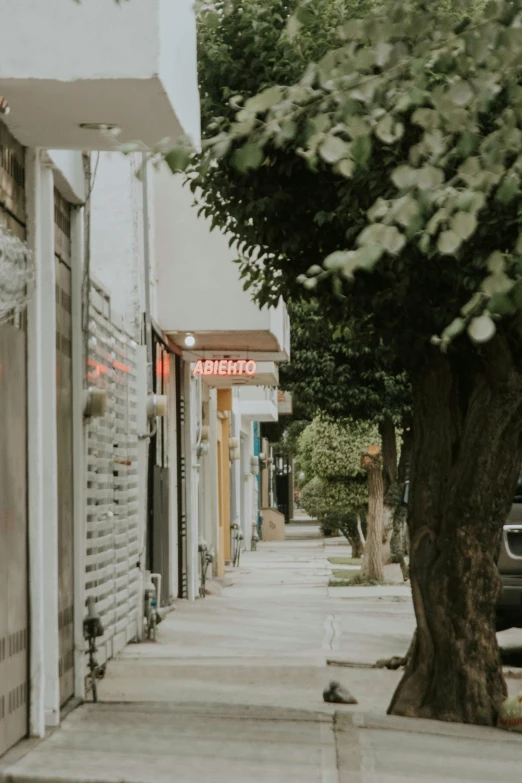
(448, 243)
(405, 211)
(337, 287)
(475, 302)
(383, 51)
(464, 224)
(496, 263)
(508, 189)
(264, 100)
(177, 159)
(429, 178)
(467, 144)
(353, 30)
(249, 156)
(389, 131)
(333, 149)
(481, 329)
(314, 270)
(403, 177)
(471, 172)
(497, 283)
(337, 260)
(368, 256)
(502, 304)
(517, 295)
(455, 328)
(221, 148)
(388, 237)
(460, 93)
(465, 201)
(288, 130)
(211, 19)
(304, 15)
(426, 118)
(379, 210)
(346, 168)
(361, 150)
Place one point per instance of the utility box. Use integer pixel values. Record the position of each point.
(273, 527)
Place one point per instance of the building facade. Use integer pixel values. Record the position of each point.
(71, 496)
(121, 454)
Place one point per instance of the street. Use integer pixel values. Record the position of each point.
(232, 690)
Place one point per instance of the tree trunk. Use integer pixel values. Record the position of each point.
(467, 450)
(399, 537)
(389, 473)
(406, 452)
(357, 546)
(360, 531)
(372, 562)
(389, 452)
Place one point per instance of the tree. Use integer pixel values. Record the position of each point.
(407, 135)
(338, 505)
(329, 454)
(242, 50)
(345, 370)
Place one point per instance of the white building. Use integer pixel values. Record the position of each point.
(76, 77)
(125, 272)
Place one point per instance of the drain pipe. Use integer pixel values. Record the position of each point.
(146, 258)
(149, 387)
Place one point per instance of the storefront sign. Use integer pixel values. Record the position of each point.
(225, 367)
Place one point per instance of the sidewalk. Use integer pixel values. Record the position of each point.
(232, 691)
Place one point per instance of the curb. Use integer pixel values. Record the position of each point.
(369, 720)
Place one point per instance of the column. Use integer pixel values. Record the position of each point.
(43, 501)
(79, 445)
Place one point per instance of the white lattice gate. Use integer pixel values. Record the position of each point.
(112, 554)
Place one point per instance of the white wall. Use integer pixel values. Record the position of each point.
(247, 482)
(69, 174)
(117, 234)
(132, 64)
(178, 52)
(200, 289)
(235, 468)
(115, 41)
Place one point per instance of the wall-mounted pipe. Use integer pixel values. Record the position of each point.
(146, 279)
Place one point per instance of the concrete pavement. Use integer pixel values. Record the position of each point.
(232, 690)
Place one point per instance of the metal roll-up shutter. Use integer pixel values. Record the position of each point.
(64, 433)
(112, 506)
(14, 615)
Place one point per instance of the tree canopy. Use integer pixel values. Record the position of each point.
(335, 485)
(383, 156)
(384, 181)
(341, 370)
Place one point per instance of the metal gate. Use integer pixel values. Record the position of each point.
(182, 476)
(14, 618)
(160, 562)
(13, 538)
(64, 440)
(112, 546)
(159, 473)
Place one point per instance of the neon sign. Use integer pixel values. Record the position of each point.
(225, 367)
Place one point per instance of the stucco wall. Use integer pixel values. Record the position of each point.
(92, 39)
(200, 288)
(117, 234)
(69, 174)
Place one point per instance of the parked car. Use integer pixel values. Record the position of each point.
(509, 608)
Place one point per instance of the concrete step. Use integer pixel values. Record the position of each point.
(162, 743)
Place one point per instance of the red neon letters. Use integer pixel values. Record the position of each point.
(225, 367)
